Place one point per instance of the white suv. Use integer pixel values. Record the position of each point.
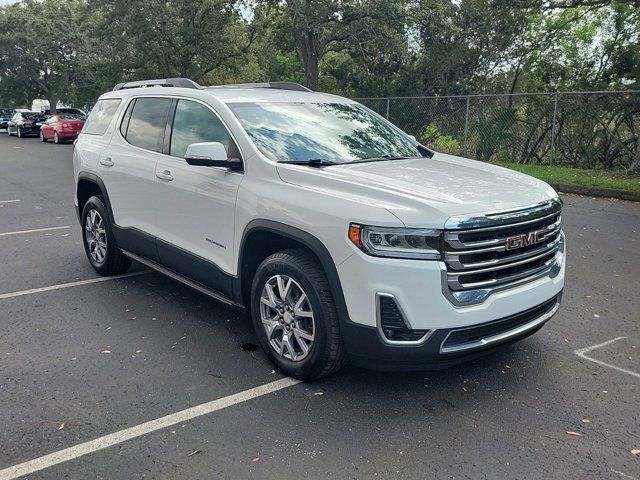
(341, 235)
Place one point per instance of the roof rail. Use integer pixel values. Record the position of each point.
(161, 82)
(278, 85)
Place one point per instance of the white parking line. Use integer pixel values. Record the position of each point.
(116, 438)
(9, 201)
(34, 230)
(581, 352)
(67, 285)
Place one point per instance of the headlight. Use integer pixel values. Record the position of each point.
(418, 243)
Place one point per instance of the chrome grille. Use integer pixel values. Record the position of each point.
(477, 258)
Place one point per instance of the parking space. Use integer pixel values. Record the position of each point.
(94, 359)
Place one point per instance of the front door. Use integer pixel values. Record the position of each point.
(195, 205)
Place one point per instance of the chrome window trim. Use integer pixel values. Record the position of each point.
(120, 119)
(410, 343)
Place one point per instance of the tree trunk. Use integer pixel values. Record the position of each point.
(53, 103)
(310, 49)
(312, 72)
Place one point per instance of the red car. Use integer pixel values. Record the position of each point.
(61, 127)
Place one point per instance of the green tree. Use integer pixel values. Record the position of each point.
(169, 38)
(39, 55)
(317, 27)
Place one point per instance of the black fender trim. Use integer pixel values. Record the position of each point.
(308, 240)
(98, 181)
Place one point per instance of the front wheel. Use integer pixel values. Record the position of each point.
(56, 139)
(99, 243)
(295, 317)
(42, 137)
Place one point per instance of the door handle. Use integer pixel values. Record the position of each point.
(164, 175)
(107, 162)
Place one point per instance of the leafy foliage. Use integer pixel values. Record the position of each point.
(73, 50)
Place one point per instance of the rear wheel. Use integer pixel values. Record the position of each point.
(99, 243)
(295, 317)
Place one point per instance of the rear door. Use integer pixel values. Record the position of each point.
(127, 169)
(196, 205)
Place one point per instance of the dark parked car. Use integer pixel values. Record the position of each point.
(5, 116)
(23, 124)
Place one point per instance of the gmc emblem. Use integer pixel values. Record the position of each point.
(524, 239)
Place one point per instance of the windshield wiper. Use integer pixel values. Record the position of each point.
(312, 162)
(379, 158)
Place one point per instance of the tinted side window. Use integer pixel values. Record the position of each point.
(101, 116)
(195, 123)
(147, 122)
(125, 118)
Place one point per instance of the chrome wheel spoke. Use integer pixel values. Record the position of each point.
(301, 334)
(270, 299)
(272, 327)
(283, 287)
(96, 236)
(297, 308)
(287, 317)
(303, 340)
(286, 343)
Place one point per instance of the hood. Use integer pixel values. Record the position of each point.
(417, 190)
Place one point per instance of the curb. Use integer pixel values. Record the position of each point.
(597, 192)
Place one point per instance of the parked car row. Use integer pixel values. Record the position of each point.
(64, 125)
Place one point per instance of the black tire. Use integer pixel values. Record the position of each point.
(56, 139)
(327, 353)
(42, 136)
(114, 261)
(19, 133)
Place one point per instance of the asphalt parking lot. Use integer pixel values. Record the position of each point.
(82, 361)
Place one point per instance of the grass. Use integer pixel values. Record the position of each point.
(579, 176)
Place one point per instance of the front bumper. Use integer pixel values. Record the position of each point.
(445, 347)
(418, 288)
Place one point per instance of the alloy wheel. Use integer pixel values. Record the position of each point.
(287, 317)
(96, 236)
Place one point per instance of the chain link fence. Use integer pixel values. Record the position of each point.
(576, 129)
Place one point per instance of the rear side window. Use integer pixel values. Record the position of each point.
(195, 123)
(101, 116)
(146, 124)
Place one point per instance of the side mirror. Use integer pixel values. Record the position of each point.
(413, 137)
(210, 154)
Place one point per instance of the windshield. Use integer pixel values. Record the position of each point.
(33, 116)
(71, 116)
(337, 132)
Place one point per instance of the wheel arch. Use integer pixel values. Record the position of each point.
(89, 185)
(261, 238)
